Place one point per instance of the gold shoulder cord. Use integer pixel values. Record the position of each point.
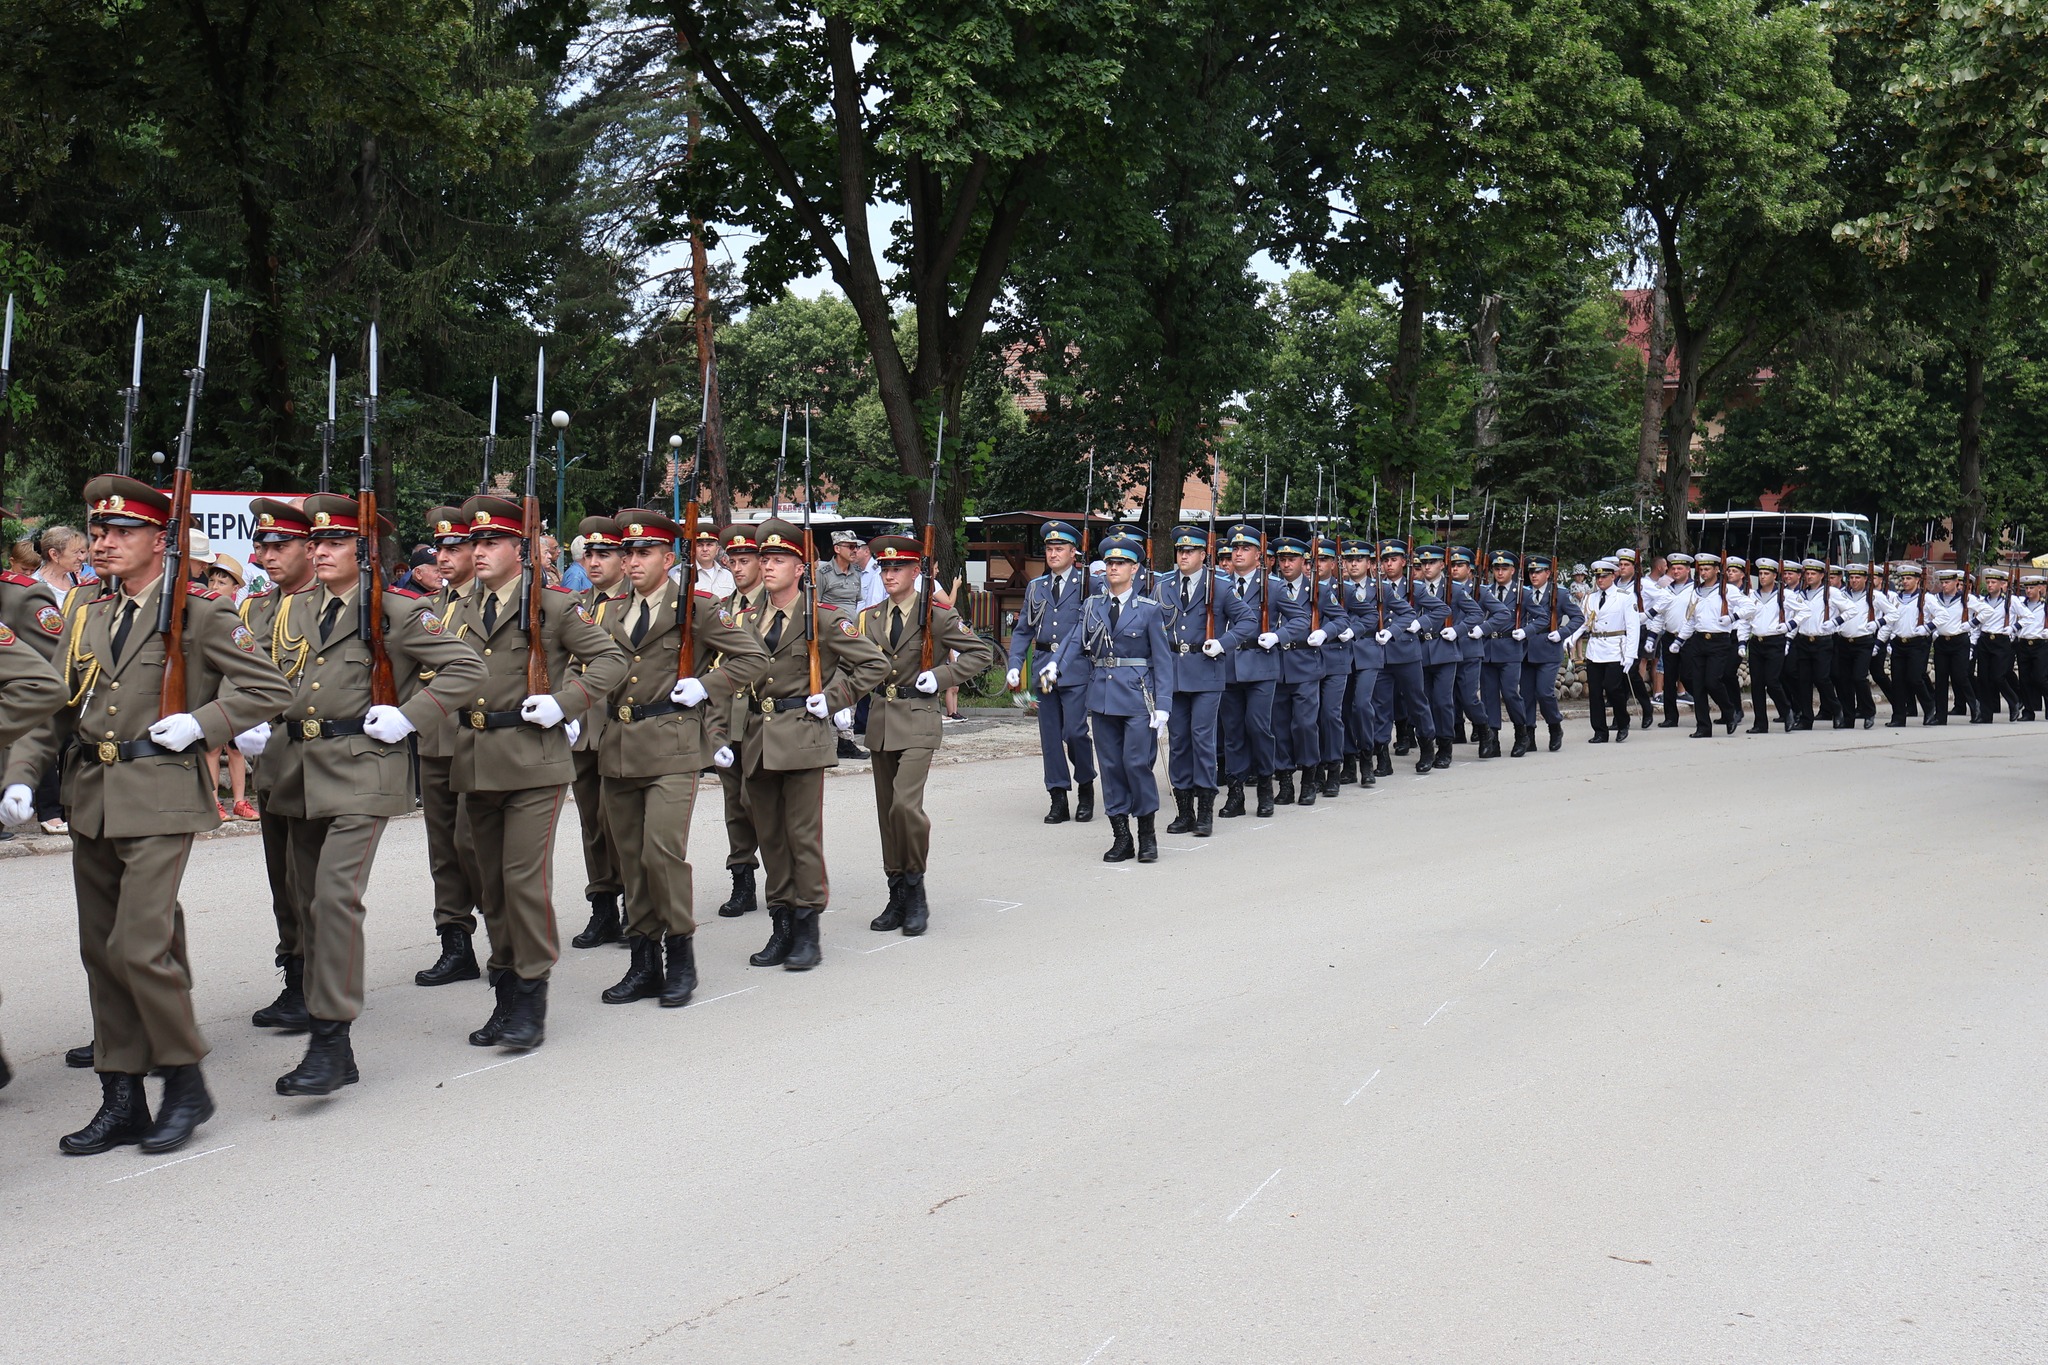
(75, 658)
(286, 646)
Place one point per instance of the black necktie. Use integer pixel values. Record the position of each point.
(490, 613)
(1059, 581)
(640, 622)
(327, 618)
(1116, 613)
(775, 632)
(895, 626)
(121, 630)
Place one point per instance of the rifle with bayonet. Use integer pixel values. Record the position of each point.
(490, 440)
(931, 545)
(1209, 569)
(369, 560)
(170, 604)
(327, 427)
(131, 397)
(686, 600)
(810, 567)
(531, 609)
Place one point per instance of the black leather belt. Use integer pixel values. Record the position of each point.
(1187, 649)
(664, 707)
(1712, 634)
(298, 730)
(126, 751)
(769, 705)
(492, 720)
(897, 692)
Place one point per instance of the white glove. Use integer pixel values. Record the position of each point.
(1448, 633)
(1519, 633)
(1268, 640)
(687, 692)
(927, 682)
(1213, 648)
(1383, 635)
(1317, 636)
(1049, 675)
(542, 710)
(843, 720)
(1876, 651)
(1415, 627)
(1554, 638)
(722, 758)
(1476, 633)
(252, 740)
(388, 725)
(17, 805)
(817, 705)
(1742, 651)
(1013, 679)
(1345, 635)
(573, 730)
(176, 732)
(1677, 645)
(1160, 718)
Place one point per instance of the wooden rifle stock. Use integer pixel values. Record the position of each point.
(536, 648)
(686, 605)
(171, 608)
(931, 545)
(383, 686)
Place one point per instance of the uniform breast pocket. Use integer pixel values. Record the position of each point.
(173, 781)
(375, 767)
(679, 735)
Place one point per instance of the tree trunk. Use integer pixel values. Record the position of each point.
(1969, 513)
(1486, 413)
(1404, 376)
(1162, 508)
(1651, 441)
(267, 348)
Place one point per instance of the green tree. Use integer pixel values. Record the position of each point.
(1568, 393)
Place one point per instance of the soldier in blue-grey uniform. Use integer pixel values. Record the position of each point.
(1200, 671)
(1130, 681)
(1247, 711)
(1506, 605)
(1052, 607)
(1297, 734)
(1402, 676)
(1364, 615)
(1544, 645)
(1440, 654)
(1338, 636)
(1470, 621)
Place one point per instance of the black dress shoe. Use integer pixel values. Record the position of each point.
(1621, 735)
(123, 1118)
(891, 918)
(1895, 723)
(1762, 727)
(1183, 812)
(679, 982)
(1233, 802)
(1121, 849)
(1556, 736)
(804, 952)
(742, 900)
(1524, 737)
(1205, 812)
(917, 911)
(1667, 725)
(329, 1063)
(288, 1011)
(642, 980)
(526, 1015)
(1084, 804)
(1265, 806)
(456, 963)
(6, 1072)
(1869, 721)
(1348, 774)
(79, 1057)
(1707, 733)
(850, 751)
(487, 1036)
(1059, 814)
(185, 1106)
(776, 950)
(1148, 840)
(1599, 737)
(604, 926)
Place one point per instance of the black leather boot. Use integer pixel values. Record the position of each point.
(1443, 755)
(494, 1027)
(1285, 794)
(1058, 815)
(288, 1011)
(1365, 765)
(1404, 738)
(184, 1107)
(642, 980)
(604, 926)
(891, 917)
(1458, 731)
(1265, 806)
(1084, 804)
(742, 898)
(1333, 783)
(917, 912)
(1183, 812)
(1522, 737)
(526, 1017)
(456, 963)
(774, 952)
(79, 1057)
(1205, 812)
(1349, 772)
(329, 1063)
(1148, 840)
(1425, 759)
(1121, 850)
(804, 952)
(1383, 761)
(1308, 787)
(680, 980)
(1556, 736)
(1621, 729)
(1233, 802)
(123, 1118)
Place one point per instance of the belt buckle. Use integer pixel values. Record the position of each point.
(892, 692)
(476, 720)
(625, 712)
(109, 751)
(767, 706)
(309, 729)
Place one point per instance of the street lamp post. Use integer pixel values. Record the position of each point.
(560, 421)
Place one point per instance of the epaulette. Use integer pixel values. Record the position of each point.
(264, 593)
(564, 591)
(19, 580)
(402, 592)
(939, 601)
(704, 592)
(828, 606)
(310, 587)
(199, 590)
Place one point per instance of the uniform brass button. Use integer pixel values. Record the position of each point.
(321, 660)
(632, 680)
(636, 658)
(487, 653)
(113, 710)
(316, 687)
(117, 687)
(309, 711)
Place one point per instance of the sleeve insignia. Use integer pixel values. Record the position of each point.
(430, 623)
(244, 638)
(583, 612)
(847, 627)
(725, 616)
(51, 620)
(6, 636)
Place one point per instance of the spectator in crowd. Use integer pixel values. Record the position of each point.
(839, 581)
(712, 576)
(223, 573)
(871, 589)
(574, 577)
(224, 576)
(22, 557)
(61, 559)
(551, 561)
(422, 572)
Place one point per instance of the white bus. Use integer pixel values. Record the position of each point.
(1837, 537)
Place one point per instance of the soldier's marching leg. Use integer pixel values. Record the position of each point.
(1232, 719)
(741, 846)
(602, 886)
(1111, 736)
(1052, 751)
(649, 818)
(803, 807)
(884, 774)
(451, 863)
(1183, 770)
(331, 858)
(906, 837)
(764, 793)
(515, 846)
(1286, 729)
(1080, 750)
(1141, 743)
(288, 1011)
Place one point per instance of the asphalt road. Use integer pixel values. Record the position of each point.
(1670, 1051)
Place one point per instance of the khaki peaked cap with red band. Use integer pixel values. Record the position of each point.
(278, 521)
(334, 515)
(487, 512)
(117, 500)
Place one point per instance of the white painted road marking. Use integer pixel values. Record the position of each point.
(1248, 1200)
(179, 1162)
(1361, 1089)
(495, 1065)
(1489, 958)
(1098, 1351)
(1438, 1010)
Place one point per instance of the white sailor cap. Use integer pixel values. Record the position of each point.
(1707, 559)
(1766, 562)
(1993, 571)
(1682, 559)
(1605, 565)
(1906, 569)
(1948, 573)
(1811, 563)
(2028, 580)
(1625, 555)
(1853, 567)
(1737, 562)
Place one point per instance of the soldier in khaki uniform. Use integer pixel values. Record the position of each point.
(512, 760)
(662, 731)
(340, 769)
(137, 793)
(741, 843)
(605, 562)
(283, 553)
(30, 692)
(451, 858)
(904, 723)
(788, 740)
